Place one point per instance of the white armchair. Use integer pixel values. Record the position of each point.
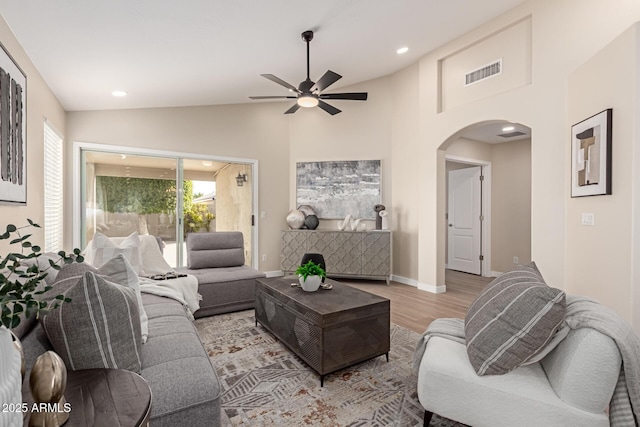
(571, 386)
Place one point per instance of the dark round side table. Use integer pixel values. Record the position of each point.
(105, 398)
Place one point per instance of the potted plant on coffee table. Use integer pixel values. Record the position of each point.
(311, 275)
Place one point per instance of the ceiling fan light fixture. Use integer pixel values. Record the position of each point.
(307, 101)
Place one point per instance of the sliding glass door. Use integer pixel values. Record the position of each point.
(168, 197)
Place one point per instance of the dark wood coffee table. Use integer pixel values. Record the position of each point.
(328, 329)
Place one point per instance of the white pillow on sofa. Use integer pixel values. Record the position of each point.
(102, 249)
(152, 260)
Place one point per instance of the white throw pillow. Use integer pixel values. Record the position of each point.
(120, 271)
(152, 260)
(104, 248)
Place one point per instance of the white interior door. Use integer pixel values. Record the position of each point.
(464, 224)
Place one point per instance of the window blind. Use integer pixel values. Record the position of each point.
(53, 201)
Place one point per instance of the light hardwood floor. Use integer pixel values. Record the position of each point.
(415, 309)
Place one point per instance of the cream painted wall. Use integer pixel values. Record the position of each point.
(560, 44)
(510, 204)
(41, 105)
(233, 204)
(251, 131)
(599, 258)
(405, 164)
(512, 45)
(470, 149)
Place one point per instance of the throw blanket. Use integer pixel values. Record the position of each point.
(624, 408)
(183, 289)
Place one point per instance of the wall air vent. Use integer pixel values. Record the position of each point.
(512, 134)
(482, 73)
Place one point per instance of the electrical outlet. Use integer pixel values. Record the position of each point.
(264, 257)
(263, 215)
(515, 260)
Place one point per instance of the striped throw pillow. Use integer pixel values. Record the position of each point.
(512, 320)
(99, 328)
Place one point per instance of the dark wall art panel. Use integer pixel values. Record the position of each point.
(13, 135)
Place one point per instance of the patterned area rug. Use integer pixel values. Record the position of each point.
(266, 384)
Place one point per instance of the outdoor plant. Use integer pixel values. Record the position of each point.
(21, 277)
(310, 269)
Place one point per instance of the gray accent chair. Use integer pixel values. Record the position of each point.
(217, 260)
(570, 386)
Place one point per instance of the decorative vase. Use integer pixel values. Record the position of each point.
(10, 380)
(384, 221)
(377, 209)
(316, 258)
(307, 210)
(295, 219)
(311, 222)
(48, 380)
(311, 283)
(17, 345)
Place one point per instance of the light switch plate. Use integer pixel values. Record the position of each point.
(588, 218)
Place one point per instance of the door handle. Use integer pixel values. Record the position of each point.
(450, 225)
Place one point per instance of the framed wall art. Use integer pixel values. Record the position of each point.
(336, 189)
(13, 131)
(591, 155)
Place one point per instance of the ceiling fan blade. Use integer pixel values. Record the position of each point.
(353, 96)
(306, 85)
(273, 97)
(327, 80)
(280, 82)
(328, 108)
(293, 109)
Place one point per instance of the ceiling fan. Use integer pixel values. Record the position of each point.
(309, 93)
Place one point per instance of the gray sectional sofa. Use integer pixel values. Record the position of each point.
(184, 385)
(225, 283)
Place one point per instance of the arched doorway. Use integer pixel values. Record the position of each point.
(486, 179)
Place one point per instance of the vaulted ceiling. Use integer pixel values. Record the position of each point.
(203, 52)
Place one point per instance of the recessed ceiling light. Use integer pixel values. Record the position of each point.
(402, 50)
(119, 93)
(508, 128)
(123, 156)
(206, 163)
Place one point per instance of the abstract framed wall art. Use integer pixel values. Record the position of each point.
(591, 155)
(336, 189)
(13, 131)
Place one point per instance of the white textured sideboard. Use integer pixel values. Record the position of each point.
(357, 254)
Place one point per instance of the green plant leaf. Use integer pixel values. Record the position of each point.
(11, 228)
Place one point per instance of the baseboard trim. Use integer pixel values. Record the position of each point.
(404, 280)
(276, 273)
(495, 274)
(434, 289)
(422, 286)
